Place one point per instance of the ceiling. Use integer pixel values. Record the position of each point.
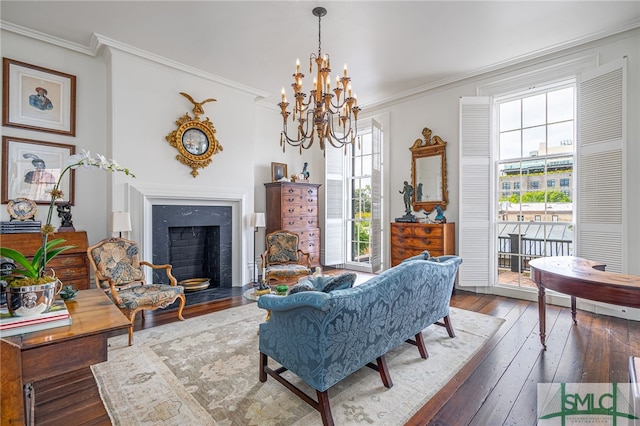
(392, 47)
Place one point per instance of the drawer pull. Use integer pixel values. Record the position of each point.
(291, 210)
(291, 200)
(291, 190)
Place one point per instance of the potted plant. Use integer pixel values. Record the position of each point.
(30, 291)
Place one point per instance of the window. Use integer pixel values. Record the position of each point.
(506, 186)
(353, 199)
(600, 150)
(535, 139)
(564, 182)
(516, 185)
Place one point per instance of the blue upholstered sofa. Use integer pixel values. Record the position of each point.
(324, 337)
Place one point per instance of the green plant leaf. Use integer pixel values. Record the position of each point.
(30, 269)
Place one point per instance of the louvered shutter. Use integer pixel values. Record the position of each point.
(600, 165)
(334, 232)
(375, 237)
(475, 244)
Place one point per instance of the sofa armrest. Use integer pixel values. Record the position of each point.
(313, 299)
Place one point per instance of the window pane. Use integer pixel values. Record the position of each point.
(534, 111)
(366, 145)
(560, 137)
(560, 105)
(510, 116)
(533, 142)
(510, 145)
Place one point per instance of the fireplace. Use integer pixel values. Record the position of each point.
(213, 214)
(195, 240)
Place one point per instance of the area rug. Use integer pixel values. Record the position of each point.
(204, 371)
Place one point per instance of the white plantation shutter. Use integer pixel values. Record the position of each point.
(600, 167)
(475, 243)
(334, 229)
(375, 237)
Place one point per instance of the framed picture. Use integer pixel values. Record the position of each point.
(30, 169)
(278, 171)
(37, 98)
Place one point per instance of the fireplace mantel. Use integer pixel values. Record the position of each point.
(142, 198)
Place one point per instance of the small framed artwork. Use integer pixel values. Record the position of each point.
(30, 169)
(278, 171)
(37, 98)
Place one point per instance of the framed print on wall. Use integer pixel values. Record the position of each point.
(30, 169)
(278, 171)
(37, 98)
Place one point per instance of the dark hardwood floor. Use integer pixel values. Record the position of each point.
(498, 387)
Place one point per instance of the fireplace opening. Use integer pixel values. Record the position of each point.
(194, 252)
(195, 241)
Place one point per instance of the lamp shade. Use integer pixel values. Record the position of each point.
(258, 220)
(120, 222)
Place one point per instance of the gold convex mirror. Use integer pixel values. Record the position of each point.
(429, 172)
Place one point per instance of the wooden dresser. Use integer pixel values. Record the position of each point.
(410, 239)
(71, 266)
(293, 206)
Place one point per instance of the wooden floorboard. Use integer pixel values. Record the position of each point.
(499, 385)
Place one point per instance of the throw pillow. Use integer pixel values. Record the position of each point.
(301, 286)
(340, 282)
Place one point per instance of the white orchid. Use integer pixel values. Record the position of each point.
(36, 267)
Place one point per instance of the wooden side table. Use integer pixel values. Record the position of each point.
(53, 367)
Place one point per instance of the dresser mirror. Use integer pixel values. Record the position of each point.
(429, 172)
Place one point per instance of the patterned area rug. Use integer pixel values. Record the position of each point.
(204, 371)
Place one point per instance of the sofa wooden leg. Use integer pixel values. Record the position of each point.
(384, 372)
(263, 364)
(449, 327)
(324, 408)
(422, 348)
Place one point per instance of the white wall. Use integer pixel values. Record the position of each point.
(90, 211)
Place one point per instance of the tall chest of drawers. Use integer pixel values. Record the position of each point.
(410, 239)
(71, 266)
(293, 206)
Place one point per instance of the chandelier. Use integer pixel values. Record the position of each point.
(325, 116)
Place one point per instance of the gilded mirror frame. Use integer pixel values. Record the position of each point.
(433, 151)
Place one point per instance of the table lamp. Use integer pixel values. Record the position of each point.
(120, 222)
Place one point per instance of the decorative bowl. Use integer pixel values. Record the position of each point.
(32, 300)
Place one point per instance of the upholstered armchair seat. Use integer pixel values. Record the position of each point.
(283, 262)
(148, 295)
(118, 271)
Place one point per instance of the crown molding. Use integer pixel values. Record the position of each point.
(501, 67)
(99, 41)
(37, 35)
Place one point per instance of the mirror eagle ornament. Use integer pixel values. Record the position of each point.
(195, 140)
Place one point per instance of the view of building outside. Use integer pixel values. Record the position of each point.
(535, 214)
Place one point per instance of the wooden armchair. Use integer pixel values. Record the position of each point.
(283, 262)
(118, 270)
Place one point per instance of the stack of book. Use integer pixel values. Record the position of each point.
(58, 316)
(19, 227)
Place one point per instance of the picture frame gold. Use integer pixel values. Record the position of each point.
(195, 140)
(278, 171)
(31, 168)
(38, 98)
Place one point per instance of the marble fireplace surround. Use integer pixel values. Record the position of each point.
(142, 198)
